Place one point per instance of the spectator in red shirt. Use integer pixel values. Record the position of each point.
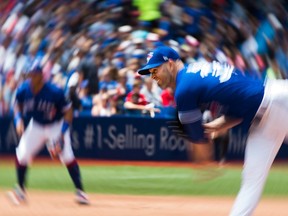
(136, 102)
(168, 97)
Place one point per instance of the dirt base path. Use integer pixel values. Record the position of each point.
(62, 204)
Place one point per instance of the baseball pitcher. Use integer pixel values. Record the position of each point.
(263, 106)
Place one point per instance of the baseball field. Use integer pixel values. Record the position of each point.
(139, 188)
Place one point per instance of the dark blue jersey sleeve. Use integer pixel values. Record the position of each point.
(192, 125)
(189, 113)
(20, 93)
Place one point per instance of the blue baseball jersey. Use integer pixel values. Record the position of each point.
(201, 82)
(45, 107)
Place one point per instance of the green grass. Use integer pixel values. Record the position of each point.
(145, 180)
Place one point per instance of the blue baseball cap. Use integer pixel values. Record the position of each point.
(157, 57)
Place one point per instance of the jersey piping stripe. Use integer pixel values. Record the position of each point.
(190, 116)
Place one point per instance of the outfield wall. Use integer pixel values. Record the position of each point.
(124, 138)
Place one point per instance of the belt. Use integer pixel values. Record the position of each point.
(258, 117)
(261, 110)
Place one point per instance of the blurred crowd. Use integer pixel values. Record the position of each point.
(93, 48)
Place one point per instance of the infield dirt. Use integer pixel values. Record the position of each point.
(62, 204)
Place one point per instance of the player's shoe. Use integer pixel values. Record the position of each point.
(82, 198)
(17, 196)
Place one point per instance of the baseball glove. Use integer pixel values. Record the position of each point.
(176, 127)
(198, 153)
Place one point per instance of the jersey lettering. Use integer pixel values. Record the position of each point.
(223, 71)
(47, 108)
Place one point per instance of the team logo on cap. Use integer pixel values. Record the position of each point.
(149, 56)
(165, 58)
